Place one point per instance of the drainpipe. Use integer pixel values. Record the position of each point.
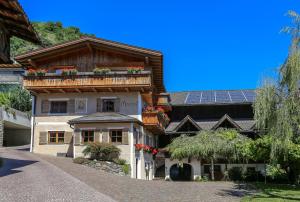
(33, 112)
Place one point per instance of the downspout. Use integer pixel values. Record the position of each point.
(33, 112)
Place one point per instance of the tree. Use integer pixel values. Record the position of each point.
(277, 105)
(17, 98)
(222, 143)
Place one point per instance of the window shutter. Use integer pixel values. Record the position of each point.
(97, 135)
(45, 106)
(105, 136)
(71, 106)
(99, 105)
(117, 105)
(77, 137)
(125, 136)
(68, 137)
(43, 138)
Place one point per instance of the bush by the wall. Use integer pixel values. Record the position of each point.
(120, 161)
(101, 151)
(235, 174)
(126, 168)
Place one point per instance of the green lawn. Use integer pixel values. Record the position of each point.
(275, 193)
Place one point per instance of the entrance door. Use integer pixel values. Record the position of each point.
(181, 173)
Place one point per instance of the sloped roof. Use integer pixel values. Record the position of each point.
(212, 97)
(16, 22)
(104, 117)
(187, 119)
(229, 119)
(244, 124)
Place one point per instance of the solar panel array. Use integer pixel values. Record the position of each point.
(220, 97)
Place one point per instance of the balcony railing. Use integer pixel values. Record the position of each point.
(155, 121)
(88, 80)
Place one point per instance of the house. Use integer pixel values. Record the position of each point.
(95, 90)
(206, 110)
(14, 125)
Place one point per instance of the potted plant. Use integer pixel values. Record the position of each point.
(41, 72)
(65, 72)
(134, 70)
(73, 72)
(31, 72)
(101, 71)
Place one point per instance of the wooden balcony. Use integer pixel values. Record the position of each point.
(155, 122)
(88, 82)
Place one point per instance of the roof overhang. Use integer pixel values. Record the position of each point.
(154, 58)
(15, 21)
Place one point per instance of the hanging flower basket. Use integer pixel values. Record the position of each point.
(146, 148)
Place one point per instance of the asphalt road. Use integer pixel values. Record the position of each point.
(26, 177)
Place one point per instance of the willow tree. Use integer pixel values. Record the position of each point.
(210, 145)
(277, 106)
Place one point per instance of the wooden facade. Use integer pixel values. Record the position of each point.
(88, 53)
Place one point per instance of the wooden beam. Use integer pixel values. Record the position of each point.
(110, 89)
(127, 89)
(94, 90)
(46, 91)
(90, 48)
(147, 60)
(32, 63)
(77, 89)
(143, 90)
(62, 91)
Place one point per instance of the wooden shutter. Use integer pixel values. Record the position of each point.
(71, 106)
(77, 137)
(45, 107)
(125, 135)
(117, 105)
(99, 105)
(68, 137)
(105, 136)
(43, 138)
(97, 135)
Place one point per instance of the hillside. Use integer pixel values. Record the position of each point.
(49, 32)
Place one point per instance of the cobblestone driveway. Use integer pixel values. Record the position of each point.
(39, 180)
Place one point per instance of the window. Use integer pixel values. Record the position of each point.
(116, 136)
(58, 107)
(108, 105)
(56, 137)
(81, 105)
(87, 136)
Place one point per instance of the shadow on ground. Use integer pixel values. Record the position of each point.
(239, 190)
(11, 166)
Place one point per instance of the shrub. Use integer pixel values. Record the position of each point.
(101, 151)
(80, 160)
(253, 176)
(120, 161)
(276, 174)
(235, 174)
(126, 168)
(99, 71)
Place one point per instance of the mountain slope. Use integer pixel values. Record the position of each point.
(50, 33)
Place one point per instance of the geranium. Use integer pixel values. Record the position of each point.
(146, 148)
(31, 72)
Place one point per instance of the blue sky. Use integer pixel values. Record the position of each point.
(212, 44)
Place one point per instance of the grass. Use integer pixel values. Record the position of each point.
(274, 193)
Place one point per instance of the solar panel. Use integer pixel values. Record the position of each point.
(208, 97)
(250, 95)
(193, 98)
(222, 97)
(237, 96)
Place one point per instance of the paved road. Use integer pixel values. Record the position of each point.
(26, 177)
